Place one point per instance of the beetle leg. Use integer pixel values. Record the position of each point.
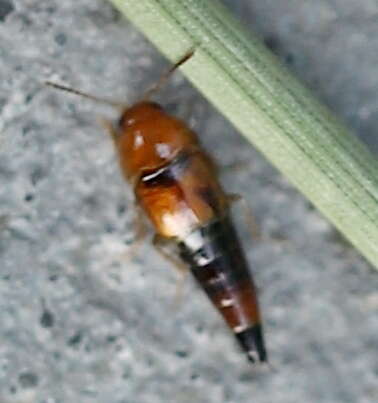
(108, 127)
(236, 166)
(140, 227)
(179, 290)
(251, 221)
(167, 248)
(140, 231)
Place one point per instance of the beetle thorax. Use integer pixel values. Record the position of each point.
(148, 138)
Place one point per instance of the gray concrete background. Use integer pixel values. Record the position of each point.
(82, 323)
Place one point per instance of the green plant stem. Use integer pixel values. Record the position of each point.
(277, 114)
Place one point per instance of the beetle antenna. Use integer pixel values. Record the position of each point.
(166, 75)
(118, 105)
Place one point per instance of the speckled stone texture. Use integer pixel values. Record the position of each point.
(81, 320)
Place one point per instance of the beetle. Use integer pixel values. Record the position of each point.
(175, 183)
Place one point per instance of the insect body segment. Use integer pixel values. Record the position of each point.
(176, 185)
(219, 265)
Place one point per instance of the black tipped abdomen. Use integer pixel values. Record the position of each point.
(252, 342)
(219, 265)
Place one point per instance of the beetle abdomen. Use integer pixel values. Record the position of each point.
(186, 204)
(219, 266)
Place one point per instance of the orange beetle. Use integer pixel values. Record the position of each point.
(176, 185)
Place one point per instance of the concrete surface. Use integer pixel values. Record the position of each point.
(82, 323)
